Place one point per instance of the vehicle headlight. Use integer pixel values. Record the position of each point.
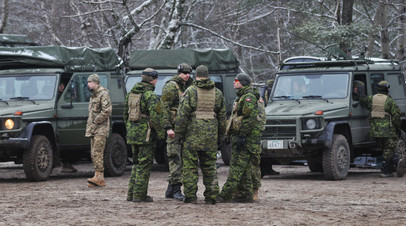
(311, 124)
(9, 124)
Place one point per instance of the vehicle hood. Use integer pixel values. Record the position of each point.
(9, 110)
(305, 107)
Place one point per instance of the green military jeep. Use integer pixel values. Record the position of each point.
(313, 114)
(223, 67)
(39, 124)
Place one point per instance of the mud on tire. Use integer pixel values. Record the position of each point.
(115, 156)
(38, 159)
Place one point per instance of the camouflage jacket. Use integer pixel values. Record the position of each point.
(150, 106)
(200, 134)
(387, 126)
(100, 109)
(170, 98)
(247, 108)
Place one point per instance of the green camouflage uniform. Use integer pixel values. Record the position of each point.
(201, 138)
(383, 130)
(143, 146)
(170, 99)
(244, 152)
(98, 125)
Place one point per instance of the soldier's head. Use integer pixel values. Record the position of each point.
(93, 81)
(202, 72)
(270, 83)
(184, 71)
(383, 86)
(242, 80)
(149, 75)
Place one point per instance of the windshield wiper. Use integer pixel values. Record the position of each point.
(283, 97)
(315, 97)
(1, 100)
(22, 98)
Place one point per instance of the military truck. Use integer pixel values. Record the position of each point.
(39, 125)
(324, 122)
(223, 67)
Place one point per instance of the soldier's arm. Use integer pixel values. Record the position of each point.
(125, 113)
(155, 113)
(106, 108)
(395, 113)
(183, 115)
(168, 97)
(221, 116)
(250, 112)
(366, 102)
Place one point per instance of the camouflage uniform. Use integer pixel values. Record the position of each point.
(143, 146)
(201, 138)
(383, 130)
(98, 125)
(245, 145)
(171, 95)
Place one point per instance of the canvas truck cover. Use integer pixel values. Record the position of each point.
(15, 40)
(69, 58)
(214, 59)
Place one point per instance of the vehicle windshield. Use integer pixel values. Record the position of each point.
(162, 79)
(311, 86)
(38, 87)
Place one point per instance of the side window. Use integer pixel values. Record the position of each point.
(78, 90)
(218, 82)
(375, 79)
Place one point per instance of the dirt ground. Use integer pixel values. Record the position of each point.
(296, 197)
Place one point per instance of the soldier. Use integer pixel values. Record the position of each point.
(200, 124)
(97, 127)
(245, 128)
(384, 121)
(142, 113)
(172, 92)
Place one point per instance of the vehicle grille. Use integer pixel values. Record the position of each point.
(280, 129)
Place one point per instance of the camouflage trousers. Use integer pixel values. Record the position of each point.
(140, 172)
(207, 161)
(256, 170)
(97, 145)
(387, 145)
(174, 152)
(240, 173)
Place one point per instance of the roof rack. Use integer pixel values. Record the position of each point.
(337, 63)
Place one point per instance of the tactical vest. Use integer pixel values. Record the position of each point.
(134, 107)
(378, 106)
(205, 103)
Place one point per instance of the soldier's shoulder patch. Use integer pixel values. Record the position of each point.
(105, 103)
(260, 100)
(248, 99)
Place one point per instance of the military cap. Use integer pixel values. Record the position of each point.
(94, 78)
(149, 75)
(383, 86)
(244, 79)
(202, 71)
(184, 68)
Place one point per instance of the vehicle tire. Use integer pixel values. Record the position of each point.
(226, 153)
(315, 164)
(160, 152)
(115, 156)
(400, 152)
(38, 159)
(336, 160)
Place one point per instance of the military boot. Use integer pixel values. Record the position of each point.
(255, 195)
(177, 193)
(401, 167)
(386, 169)
(98, 180)
(169, 192)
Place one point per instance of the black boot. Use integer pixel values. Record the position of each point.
(387, 170)
(177, 193)
(169, 192)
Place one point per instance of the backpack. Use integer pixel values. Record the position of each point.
(134, 106)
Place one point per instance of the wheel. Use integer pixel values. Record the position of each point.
(400, 149)
(115, 156)
(336, 160)
(226, 153)
(38, 159)
(315, 164)
(160, 152)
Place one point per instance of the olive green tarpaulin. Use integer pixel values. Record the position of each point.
(69, 58)
(214, 59)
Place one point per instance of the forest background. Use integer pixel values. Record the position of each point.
(262, 33)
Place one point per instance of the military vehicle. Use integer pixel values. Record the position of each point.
(323, 122)
(223, 67)
(39, 125)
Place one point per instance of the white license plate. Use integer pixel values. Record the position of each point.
(275, 144)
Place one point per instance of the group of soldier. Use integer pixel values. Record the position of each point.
(191, 115)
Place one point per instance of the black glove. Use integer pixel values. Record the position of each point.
(241, 141)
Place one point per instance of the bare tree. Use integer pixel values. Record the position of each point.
(4, 15)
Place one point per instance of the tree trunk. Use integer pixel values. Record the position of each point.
(4, 16)
(401, 41)
(384, 31)
(346, 19)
